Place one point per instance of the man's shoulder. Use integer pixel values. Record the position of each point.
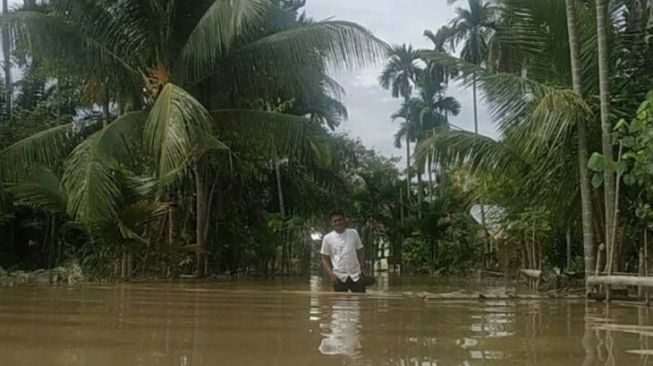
(352, 231)
(329, 235)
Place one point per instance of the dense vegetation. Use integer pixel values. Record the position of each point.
(564, 81)
(167, 137)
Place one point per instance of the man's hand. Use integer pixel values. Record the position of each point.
(333, 278)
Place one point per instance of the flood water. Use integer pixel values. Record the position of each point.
(298, 322)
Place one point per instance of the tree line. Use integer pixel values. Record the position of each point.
(169, 137)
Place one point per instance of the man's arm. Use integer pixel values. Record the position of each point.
(328, 267)
(360, 253)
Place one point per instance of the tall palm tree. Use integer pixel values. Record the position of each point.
(425, 113)
(441, 41)
(6, 46)
(581, 131)
(400, 75)
(165, 56)
(474, 27)
(606, 127)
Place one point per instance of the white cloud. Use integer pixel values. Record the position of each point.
(367, 78)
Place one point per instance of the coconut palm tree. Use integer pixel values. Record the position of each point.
(6, 46)
(581, 131)
(162, 60)
(606, 127)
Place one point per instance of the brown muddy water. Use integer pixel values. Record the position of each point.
(294, 322)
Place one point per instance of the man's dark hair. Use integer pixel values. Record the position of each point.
(337, 212)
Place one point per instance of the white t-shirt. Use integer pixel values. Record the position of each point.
(342, 250)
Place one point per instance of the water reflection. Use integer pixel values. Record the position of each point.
(168, 326)
(607, 331)
(341, 335)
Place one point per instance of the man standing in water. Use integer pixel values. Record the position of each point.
(342, 256)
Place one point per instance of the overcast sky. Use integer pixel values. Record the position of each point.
(396, 22)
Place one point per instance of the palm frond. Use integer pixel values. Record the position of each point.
(134, 218)
(440, 39)
(554, 118)
(90, 175)
(337, 44)
(271, 134)
(400, 72)
(514, 99)
(42, 148)
(482, 154)
(217, 30)
(50, 36)
(173, 129)
(40, 189)
(448, 104)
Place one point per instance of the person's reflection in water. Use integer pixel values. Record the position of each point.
(344, 338)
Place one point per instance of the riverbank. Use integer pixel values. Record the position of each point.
(69, 274)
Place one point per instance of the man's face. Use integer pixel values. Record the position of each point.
(338, 223)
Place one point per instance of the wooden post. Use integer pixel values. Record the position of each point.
(598, 259)
(597, 270)
(648, 298)
(640, 270)
(568, 238)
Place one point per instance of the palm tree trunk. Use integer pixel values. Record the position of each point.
(487, 240)
(200, 192)
(475, 103)
(420, 193)
(408, 175)
(172, 224)
(6, 40)
(429, 166)
(568, 240)
(282, 210)
(106, 111)
(585, 190)
(401, 206)
(606, 126)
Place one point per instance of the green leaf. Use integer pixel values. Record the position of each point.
(621, 166)
(620, 125)
(597, 162)
(629, 179)
(628, 141)
(597, 180)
